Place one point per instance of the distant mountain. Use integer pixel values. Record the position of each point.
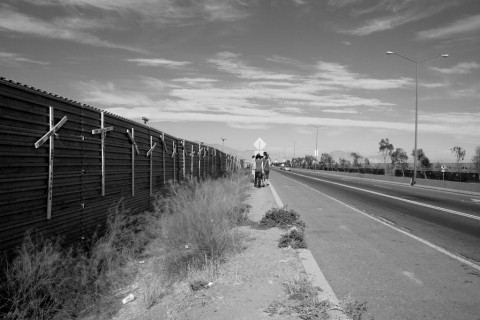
(336, 155)
(246, 154)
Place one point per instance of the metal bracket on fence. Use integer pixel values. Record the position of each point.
(174, 149)
(199, 160)
(49, 136)
(51, 132)
(182, 142)
(174, 153)
(192, 154)
(103, 131)
(132, 140)
(131, 135)
(162, 137)
(150, 153)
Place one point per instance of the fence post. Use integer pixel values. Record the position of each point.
(103, 131)
(50, 136)
(199, 160)
(164, 147)
(150, 154)
(131, 135)
(191, 164)
(183, 156)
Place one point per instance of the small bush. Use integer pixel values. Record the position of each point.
(203, 215)
(294, 238)
(303, 302)
(354, 309)
(281, 218)
(48, 281)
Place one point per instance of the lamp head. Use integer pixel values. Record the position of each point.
(390, 52)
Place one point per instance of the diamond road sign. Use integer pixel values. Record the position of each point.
(259, 144)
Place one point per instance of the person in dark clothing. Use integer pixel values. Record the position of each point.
(266, 167)
(258, 171)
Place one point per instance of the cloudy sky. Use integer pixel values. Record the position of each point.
(243, 69)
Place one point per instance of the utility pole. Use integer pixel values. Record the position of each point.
(445, 55)
(316, 145)
(223, 140)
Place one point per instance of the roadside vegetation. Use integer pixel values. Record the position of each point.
(302, 302)
(285, 218)
(191, 228)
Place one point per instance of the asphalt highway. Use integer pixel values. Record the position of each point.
(410, 252)
(448, 219)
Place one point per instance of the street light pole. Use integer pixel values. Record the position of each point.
(316, 144)
(414, 179)
(293, 149)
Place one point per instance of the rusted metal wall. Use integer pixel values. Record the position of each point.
(66, 185)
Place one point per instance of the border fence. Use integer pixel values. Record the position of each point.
(64, 164)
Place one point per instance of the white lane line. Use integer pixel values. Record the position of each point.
(425, 242)
(466, 215)
(376, 185)
(411, 275)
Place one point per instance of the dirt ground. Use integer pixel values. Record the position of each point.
(246, 284)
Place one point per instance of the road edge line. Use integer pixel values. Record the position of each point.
(310, 265)
(408, 234)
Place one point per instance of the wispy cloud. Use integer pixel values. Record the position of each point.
(461, 68)
(460, 27)
(230, 62)
(195, 80)
(245, 105)
(8, 58)
(339, 111)
(159, 11)
(159, 63)
(334, 74)
(403, 12)
(12, 21)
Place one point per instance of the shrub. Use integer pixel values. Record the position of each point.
(201, 216)
(281, 218)
(293, 238)
(48, 281)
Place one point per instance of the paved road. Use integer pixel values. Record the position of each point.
(411, 253)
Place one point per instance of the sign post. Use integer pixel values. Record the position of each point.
(259, 144)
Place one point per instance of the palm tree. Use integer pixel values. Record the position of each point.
(385, 148)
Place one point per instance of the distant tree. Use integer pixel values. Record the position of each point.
(366, 162)
(459, 153)
(297, 162)
(476, 159)
(343, 163)
(356, 160)
(423, 161)
(385, 148)
(309, 160)
(399, 160)
(326, 160)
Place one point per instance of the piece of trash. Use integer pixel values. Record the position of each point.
(128, 299)
(292, 229)
(210, 284)
(186, 246)
(141, 261)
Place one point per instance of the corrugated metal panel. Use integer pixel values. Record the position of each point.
(78, 208)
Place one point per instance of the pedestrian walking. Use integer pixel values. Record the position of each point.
(258, 171)
(266, 167)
